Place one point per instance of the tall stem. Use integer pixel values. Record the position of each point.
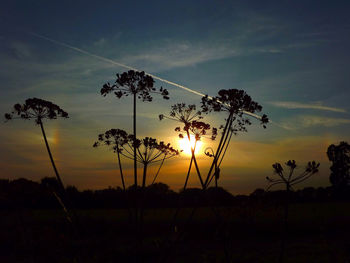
(144, 175)
(188, 173)
(135, 163)
(194, 158)
(121, 169)
(160, 166)
(51, 158)
(217, 150)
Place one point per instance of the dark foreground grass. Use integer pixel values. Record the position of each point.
(318, 232)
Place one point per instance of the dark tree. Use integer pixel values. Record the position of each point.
(339, 155)
(140, 86)
(238, 106)
(289, 180)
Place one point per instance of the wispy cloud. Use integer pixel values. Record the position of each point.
(299, 105)
(179, 54)
(308, 121)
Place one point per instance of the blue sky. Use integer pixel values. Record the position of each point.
(290, 56)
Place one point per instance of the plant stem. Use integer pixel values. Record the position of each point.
(134, 127)
(160, 166)
(188, 173)
(194, 158)
(217, 150)
(121, 170)
(51, 158)
(144, 175)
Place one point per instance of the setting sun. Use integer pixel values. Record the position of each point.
(185, 145)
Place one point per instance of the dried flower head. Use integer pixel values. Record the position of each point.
(134, 82)
(36, 109)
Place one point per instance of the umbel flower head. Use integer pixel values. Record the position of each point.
(289, 179)
(36, 109)
(191, 119)
(115, 138)
(236, 102)
(134, 82)
(147, 149)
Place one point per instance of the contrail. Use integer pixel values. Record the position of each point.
(128, 67)
(115, 63)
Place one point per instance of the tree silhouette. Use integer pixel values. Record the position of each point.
(140, 86)
(289, 180)
(239, 106)
(192, 125)
(37, 110)
(339, 155)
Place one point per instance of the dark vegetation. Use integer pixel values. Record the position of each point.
(148, 222)
(33, 195)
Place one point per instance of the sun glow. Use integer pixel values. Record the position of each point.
(185, 145)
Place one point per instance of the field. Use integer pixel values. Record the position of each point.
(318, 232)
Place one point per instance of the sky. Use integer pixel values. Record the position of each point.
(290, 56)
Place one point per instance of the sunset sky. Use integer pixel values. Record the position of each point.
(290, 56)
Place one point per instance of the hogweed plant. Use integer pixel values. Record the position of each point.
(190, 118)
(288, 179)
(38, 110)
(148, 150)
(139, 86)
(114, 139)
(238, 106)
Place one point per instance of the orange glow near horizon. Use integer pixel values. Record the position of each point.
(186, 145)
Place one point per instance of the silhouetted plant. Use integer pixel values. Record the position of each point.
(210, 153)
(289, 180)
(239, 106)
(339, 155)
(37, 110)
(115, 139)
(140, 86)
(191, 119)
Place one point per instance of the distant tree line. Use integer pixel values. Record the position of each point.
(23, 193)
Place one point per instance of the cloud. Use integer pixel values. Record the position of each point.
(307, 121)
(179, 54)
(20, 50)
(299, 105)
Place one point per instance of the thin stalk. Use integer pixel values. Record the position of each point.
(121, 170)
(160, 166)
(188, 173)
(134, 127)
(51, 158)
(217, 150)
(194, 158)
(144, 175)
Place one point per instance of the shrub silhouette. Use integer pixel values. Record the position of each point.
(339, 155)
(289, 180)
(140, 86)
(239, 106)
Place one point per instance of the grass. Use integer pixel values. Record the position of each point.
(318, 232)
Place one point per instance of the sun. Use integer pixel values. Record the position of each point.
(185, 145)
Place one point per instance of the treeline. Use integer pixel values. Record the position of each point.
(23, 193)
